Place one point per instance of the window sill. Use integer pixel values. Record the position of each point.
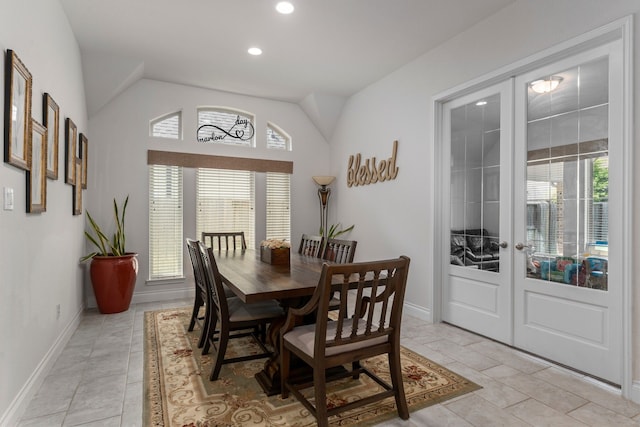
(171, 281)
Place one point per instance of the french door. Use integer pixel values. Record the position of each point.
(567, 262)
(478, 293)
(535, 174)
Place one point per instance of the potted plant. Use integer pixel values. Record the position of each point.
(275, 252)
(113, 270)
(335, 230)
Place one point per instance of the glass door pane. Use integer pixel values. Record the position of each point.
(567, 176)
(475, 184)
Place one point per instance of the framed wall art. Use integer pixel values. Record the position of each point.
(84, 155)
(70, 142)
(77, 188)
(51, 120)
(37, 175)
(17, 112)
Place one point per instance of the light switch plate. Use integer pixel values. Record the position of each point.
(8, 199)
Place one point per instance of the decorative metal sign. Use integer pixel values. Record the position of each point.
(370, 172)
(241, 129)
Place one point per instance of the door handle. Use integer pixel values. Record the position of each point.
(521, 246)
(503, 244)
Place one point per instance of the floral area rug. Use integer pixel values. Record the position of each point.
(178, 391)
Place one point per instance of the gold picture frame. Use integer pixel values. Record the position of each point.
(17, 112)
(84, 155)
(70, 143)
(37, 174)
(77, 188)
(51, 120)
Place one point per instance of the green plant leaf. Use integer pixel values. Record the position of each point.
(335, 231)
(106, 247)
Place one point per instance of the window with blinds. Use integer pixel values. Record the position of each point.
(225, 202)
(226, 126)
(278, 206)
(277, 139)
(165, 222)
(167, 126)
(567, 204)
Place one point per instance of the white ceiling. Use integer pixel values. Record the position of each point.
(326, 48)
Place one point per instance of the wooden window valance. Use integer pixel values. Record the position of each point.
(192, 160)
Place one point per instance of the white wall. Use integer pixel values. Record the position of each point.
(39, 252)
(400, 213)
(119, 140)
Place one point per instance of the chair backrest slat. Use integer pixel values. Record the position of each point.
(339, 251)
(214, 240)
(311, 245)
(213, 281)
(192, 247)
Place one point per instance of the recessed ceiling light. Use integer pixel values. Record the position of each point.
(284, 7)
(255, 51)
(481, 103)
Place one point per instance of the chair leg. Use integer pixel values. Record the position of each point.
(194, 314)
(223, 340)
(257, 331)
(355, 368)
(285, 360)
(204, 334)
(395, 369)
(320, 395)
(263, 333)
(211, 332)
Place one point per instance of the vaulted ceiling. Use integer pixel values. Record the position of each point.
(319, 55)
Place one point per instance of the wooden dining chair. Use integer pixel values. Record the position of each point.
(311, 245)
(233, 316)
(201, 293)
(339, 251)
(233, 239)
(367, 324)
(201, 297)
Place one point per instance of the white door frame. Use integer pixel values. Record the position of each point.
(620, 29)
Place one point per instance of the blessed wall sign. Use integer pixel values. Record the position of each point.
(370, 172)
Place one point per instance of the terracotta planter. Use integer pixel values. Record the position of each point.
(114, 279)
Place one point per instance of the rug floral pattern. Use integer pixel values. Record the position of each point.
(178, 391)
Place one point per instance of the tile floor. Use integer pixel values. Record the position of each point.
(97, 381)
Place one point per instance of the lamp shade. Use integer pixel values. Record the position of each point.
(323, 180)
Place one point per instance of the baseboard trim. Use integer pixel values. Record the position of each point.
(152, 296)
(635, 392)
(163, 295)
(418, 311)
(18, 406)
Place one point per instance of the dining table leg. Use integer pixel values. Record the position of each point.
(269, 376)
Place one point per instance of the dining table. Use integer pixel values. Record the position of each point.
(253, 280)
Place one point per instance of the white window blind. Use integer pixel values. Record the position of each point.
(165, 222)
(168, 126)
(278, 206)
(277, 139)
(225, 202)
